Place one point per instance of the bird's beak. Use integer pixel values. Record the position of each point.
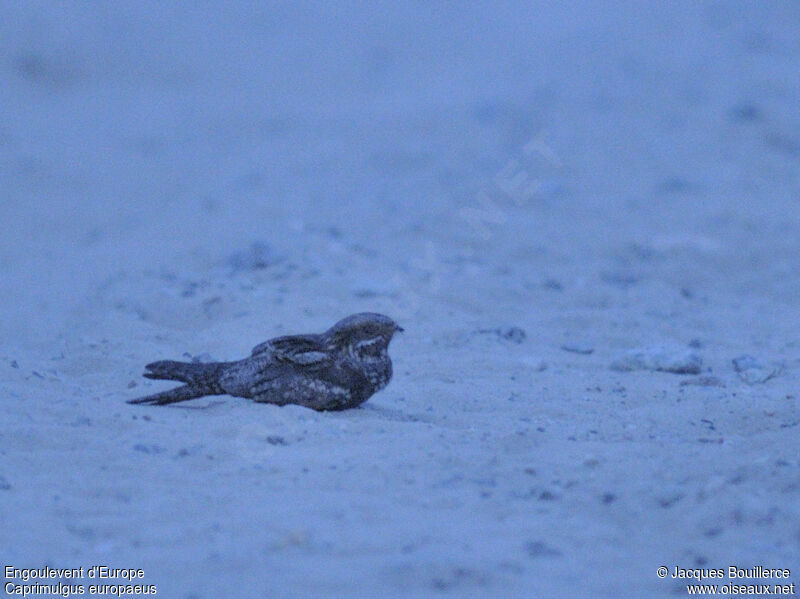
(398, 328)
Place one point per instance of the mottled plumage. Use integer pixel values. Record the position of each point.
(339, 369)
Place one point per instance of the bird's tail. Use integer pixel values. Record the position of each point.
(181, 393)
(194, 374)
(200, 378)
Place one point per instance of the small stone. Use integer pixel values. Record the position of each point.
(148, 448)
(189, 289)
(745, 113)
(667, 501)
(541, 549)
(754, 371)
(553, 285)
(509, 333)
(258, 256)
(4, 484)
(659, 358)
(513, 334)
(577, 348)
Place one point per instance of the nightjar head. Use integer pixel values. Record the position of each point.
(365, 336)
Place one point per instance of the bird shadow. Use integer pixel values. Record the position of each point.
(212, 404)
(394, 415)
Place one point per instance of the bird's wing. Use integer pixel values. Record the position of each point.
(302, 350)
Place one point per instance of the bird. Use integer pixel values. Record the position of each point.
(335, 370)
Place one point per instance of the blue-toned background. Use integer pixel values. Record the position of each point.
(558, 201)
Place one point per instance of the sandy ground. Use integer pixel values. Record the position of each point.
(554, 203)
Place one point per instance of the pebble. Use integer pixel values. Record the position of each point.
(541, 549)
(148, 448)
(754, 371)
(574, 348)
(553, 285)
(660, 358)
(508, 333)
(514, 334)
(746, 112)
(258, 256)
